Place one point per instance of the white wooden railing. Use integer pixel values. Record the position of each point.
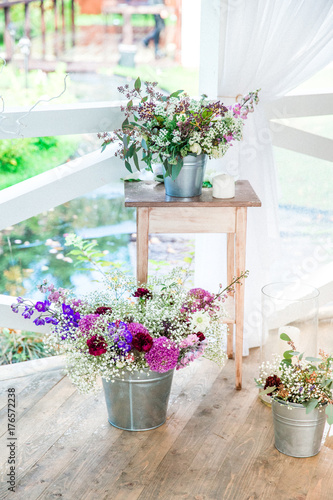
(75, 178)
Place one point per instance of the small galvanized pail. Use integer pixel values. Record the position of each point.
(297, 434)
(189, 181)
(138, 401)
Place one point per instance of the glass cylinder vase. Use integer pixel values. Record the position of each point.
(290, 308)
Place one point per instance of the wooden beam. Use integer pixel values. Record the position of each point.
(302, 142)
(65, 120)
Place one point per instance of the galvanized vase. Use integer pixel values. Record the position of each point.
(297, 434)
(189, 181)
(138, 401)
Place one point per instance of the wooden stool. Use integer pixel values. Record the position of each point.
(159, 213)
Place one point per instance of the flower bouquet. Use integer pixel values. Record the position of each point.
(304, 386)
(169, 128)
(156, 327)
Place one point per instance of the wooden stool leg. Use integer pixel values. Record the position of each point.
(142, 232)
(240, 252)
(230, 275)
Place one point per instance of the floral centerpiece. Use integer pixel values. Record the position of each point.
(159, 326)
(295, 379)
(166, 129)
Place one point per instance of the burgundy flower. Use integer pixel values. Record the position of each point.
(103, 310)
(273, 381)
(200, 336)
(141, 341)
(143, 293)
(97, 345)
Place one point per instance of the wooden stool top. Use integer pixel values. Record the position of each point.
(152, 194)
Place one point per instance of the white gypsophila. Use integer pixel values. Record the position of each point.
(269, 368)
(195, 137)
(195, 106)
(161, 139)
(216, 348)
(160, 109)
(176, 136)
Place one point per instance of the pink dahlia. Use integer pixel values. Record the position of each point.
(163, 356)
(87, 323)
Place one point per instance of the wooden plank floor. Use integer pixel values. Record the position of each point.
(217, 443)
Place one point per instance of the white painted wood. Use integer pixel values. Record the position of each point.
(302, 142)
(16, 370)
(190, 26)
(212, 30)
(65, 120)
(292, 106)
(59, 185)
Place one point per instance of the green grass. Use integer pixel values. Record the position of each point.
(25, 158)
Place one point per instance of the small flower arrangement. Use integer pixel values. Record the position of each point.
(158, 326)
(294, 379)
(167, 129)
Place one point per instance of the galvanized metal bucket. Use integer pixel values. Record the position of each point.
(190, 179)
(297, 434)
(138, 401)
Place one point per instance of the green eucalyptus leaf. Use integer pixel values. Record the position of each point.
(329, 413)
(288, 354)
(176, 94)
(268, 390)
(136, 160)
(125, 124)
(313, 360)
(128, 166)
(310, 405)
(176, 169)
(285, 337)
(137, 84)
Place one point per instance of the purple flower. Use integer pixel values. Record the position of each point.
(39, 321)
(66, 309)
(15, 308)
(20, 300)
(163, 356)
(121, 336)
(72, 318)
(42, 306)
(27, 313)
(51, 320)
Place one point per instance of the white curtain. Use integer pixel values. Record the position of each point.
(274, 45)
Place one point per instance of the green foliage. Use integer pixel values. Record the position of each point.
(17, 346)
(24, 158)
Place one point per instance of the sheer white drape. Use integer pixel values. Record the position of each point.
(274, 45)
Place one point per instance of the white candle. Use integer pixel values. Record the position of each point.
(293, 333)
(223, 186)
